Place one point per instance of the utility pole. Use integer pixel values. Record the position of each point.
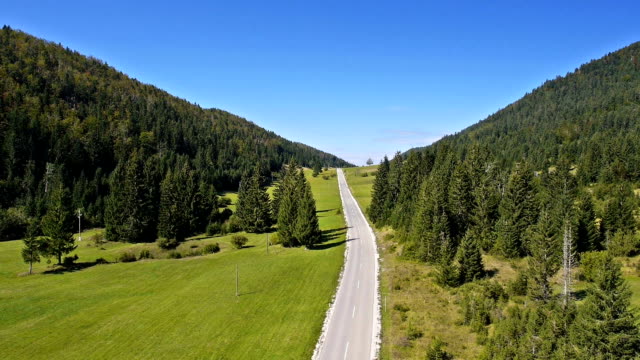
(79, 214)
(236, 279)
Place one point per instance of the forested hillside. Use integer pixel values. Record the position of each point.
(75, 123)
(551, 181)
(591, 115)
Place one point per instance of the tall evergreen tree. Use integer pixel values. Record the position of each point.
(485, 205)
(517, 212)
(393, 186)
(460, 198)
(413, 171)
(307, 229)
(380, 192)
(253, 208)
(57, 223)
(545, 259)
(288, 210)
(32, 246)
(606, 327)
(470, 260)
(587, 231)
(618, 214)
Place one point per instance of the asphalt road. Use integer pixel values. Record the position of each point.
(353, 324)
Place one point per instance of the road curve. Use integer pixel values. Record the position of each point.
(352, 327)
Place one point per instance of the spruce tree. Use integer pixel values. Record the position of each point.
(587, 231)
(57, 223)
(485, 206)
(470, 260)
(307, 230)
(288, 205)
(545, 259)
(175, 211)
(606, 327)
(460, 198)
(380, 192)
(618, 214)
(32, 246)
(253, 208)
(412, 175)
(517, 212)
(394, 183)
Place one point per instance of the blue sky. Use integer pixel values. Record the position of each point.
(357, 79)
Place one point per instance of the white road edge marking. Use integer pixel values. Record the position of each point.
(353, 313)
(358, 284)
(346, 351)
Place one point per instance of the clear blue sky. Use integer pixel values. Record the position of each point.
(357, 79)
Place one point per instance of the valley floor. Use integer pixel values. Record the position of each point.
(176, 308)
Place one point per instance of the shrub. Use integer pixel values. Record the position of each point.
(127, 257)
(590, 263)
(13, 224)
(623, 244)
(389, 236)
(365, 174)
(518, 287)
(326, 177)
(339, 211)
(214, 229)
(211, 248)
(437, 352)
(174, 255)
(69, 260)
(238, 241)
(233, 224)
(274, 239)
(401, 307)
(167, 244)
(98, 239)
(101, 261)
(414, 333)
(145, 254)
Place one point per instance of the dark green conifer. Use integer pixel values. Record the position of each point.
(380, 192)
(288, 205)
(470, 260)
(307, 230)
(588, 236)
(57, 223)
(546, 256)
(253, 207)
(606, 327)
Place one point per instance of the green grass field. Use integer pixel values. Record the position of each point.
(184, 308)
(361, 185)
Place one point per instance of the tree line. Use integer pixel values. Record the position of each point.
(67, 117)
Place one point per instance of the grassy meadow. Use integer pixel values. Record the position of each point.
(175, 308)
(427, 307)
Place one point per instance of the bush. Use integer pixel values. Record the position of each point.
(518, 287)
(339, 211)
(98, 239)
(414, 333)
(101, 260)
(365, 174)
(214, 229)
(326, 177)
(233, 224)
(590, 263)
(174, 255)
(274, 239)
(167, 244)
(437, 352)
(69, 260)
(13, 224)
(211, 248)
(238, 241)
(126, 257)
(623, 244)
(224, 201)
(145, 254)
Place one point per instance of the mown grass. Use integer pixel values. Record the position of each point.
(183, 308)
(427, 307)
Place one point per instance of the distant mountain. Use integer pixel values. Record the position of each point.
(63, 114)
(592, 115)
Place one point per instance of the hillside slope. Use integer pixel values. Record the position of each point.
(67, 116)
(592, 115)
